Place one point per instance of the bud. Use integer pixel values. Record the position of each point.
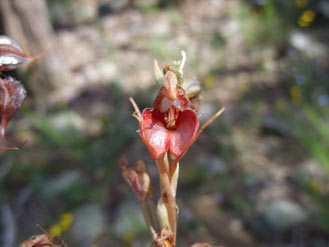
(138, 179)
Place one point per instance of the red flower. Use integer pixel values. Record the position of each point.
(171, 125)
(160, 139)
(12, 92)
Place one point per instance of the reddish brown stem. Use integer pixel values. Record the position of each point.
(172, 166)
(13, 147)
(42, 53)
(171, 205)
(209, 122)
(203, 126)
(138, 112)
(4, 139)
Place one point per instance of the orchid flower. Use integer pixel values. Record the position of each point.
(168, 129)
(12, 92)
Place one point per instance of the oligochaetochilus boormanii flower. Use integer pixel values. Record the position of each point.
(12, 92)
(168, 129)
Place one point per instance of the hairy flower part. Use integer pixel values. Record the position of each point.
(43, 240)
(12, 94)
(138, 179)
(165, 238)
(11, 54)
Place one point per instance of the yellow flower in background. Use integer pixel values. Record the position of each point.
(315, 186)
(63, 225)
(301, 3)
(296, 95)
(128, 237)
(209, 81)
(66, 221)
(55, 230)
(307, 17)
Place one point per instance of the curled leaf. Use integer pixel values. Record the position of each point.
(12, 94)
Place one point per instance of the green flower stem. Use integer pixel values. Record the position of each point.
(170, 195)
(162, 213)
(173, 172)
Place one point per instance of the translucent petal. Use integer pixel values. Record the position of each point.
(5, 40)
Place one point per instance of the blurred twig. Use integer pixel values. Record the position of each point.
(9, 226)
(22, 198)
(5, 168)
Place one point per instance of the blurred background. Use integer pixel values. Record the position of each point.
(258, 176)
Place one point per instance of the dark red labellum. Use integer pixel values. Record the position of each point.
(160, 139)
